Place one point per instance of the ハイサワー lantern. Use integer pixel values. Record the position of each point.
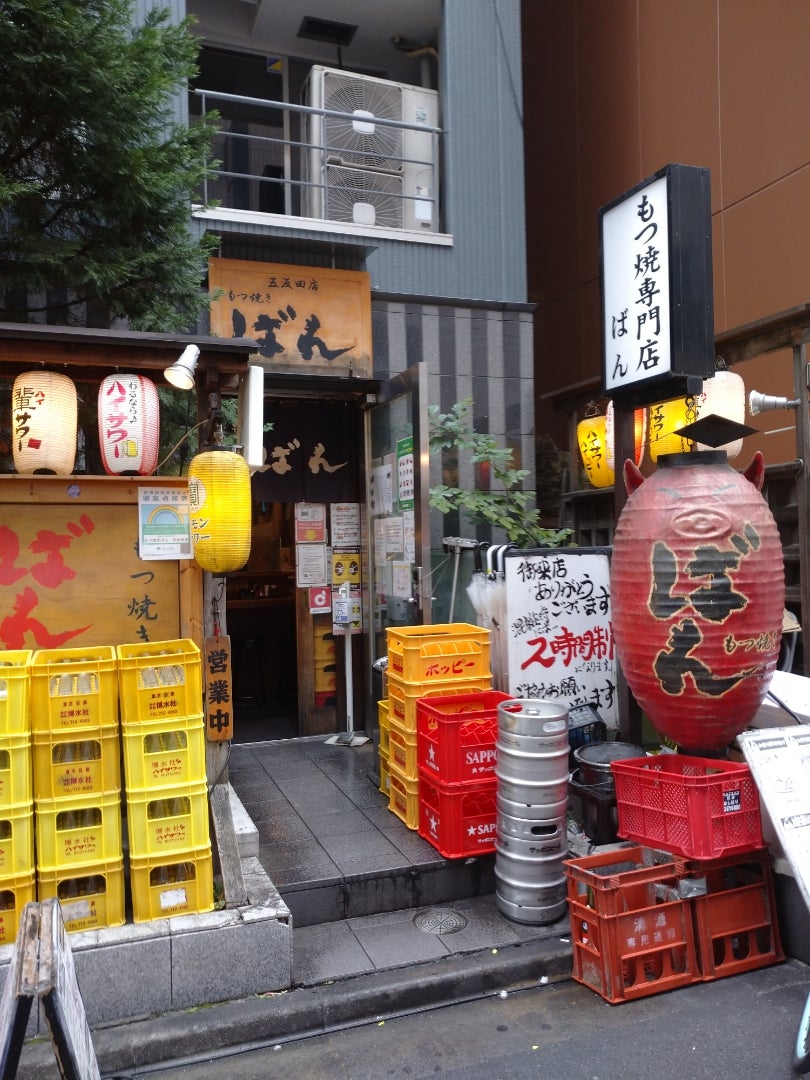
(44, 421)
(219, 510)
(697, 596)
(128, 425)
(592, 442)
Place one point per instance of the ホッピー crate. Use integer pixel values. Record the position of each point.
(170, 819)
(180, 883)
(16, 841)
(634, 954)
(76, 832)
(66, 764)
(385, 724)
(403, 696)
(403, 797)
(90, 896)
(460, 820)
(73, 689)
(164, 754)
(457, 735)
(438, 653)
(15, 893)
(626, 879)
(698, 807)
(402, 751)
(15, 681)
(15, 770)
(735, 918)
(159, 680)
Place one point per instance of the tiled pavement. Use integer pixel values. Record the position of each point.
(366, 892)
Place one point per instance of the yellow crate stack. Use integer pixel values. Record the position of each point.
(76, 756)
(425, 661)
(325, 659)
(17, 877)
(162, 727)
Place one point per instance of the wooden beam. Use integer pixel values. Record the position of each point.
(227, 847)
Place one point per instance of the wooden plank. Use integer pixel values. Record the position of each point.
(227, 847)
(19, 991)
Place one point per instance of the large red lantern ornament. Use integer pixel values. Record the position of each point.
(128, 425)
(697, 594)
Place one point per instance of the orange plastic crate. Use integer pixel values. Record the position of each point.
(74, 689)
(403, 696)
(76, 832)
(611, 882)
(90, 896)
(459, 820)
(438, 652)
(73, 763)
(457, 735)
(180, 883)
(698, 807)
(15, 684)
(159, 680)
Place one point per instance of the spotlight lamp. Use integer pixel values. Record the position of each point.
(181, 372)
(758, 403)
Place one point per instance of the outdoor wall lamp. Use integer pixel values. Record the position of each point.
(758, 403)
(181, 372)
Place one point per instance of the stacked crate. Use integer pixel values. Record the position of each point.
(325, 681)
(16, 800)
(160, 691)
(77, 784)
(424, 662)
(694, 901)
(456, 738)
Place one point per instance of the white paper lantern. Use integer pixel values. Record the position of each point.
(44, 421)
(128, 425)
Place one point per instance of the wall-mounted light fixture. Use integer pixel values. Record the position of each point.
(758, 403)
(181, 372)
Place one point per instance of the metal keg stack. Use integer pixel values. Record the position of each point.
(532, 751)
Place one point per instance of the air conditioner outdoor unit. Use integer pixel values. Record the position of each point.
(351, 165)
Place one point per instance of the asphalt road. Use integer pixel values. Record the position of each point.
(738, 1028)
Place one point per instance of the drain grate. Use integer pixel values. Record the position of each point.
(439, 921)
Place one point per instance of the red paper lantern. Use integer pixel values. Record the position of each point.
(128, 425)
(697, 596)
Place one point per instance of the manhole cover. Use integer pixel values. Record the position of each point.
(439, 921)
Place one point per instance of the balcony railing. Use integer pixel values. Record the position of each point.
(275, 158)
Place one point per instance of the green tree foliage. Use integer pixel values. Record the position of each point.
(96, 174)
(504, 504)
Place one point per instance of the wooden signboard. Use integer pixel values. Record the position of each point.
(556, 623)
(70, 573)
(218, 686)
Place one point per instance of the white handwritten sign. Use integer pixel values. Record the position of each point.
(560, 642)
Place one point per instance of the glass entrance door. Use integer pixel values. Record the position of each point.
(397, 485)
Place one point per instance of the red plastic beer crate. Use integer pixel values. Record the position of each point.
(635, 954)
(456, 736)
(735, 920)
(698, 807)
(74, 689)
(159, 680)
(612, 882)
(15, 684)
(458, 820)
(438, 653)
(403, 696)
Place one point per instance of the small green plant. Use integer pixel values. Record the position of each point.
(503, 503)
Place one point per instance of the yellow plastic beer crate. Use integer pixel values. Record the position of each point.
(438, 652)
(159, 680)
(90, 896)
(403, 797)
(73, 689)
(15, 681)
(16, 841)
(71, 765)
(169, 820)
(15, 770)
(164, 754)
(180, 883)
(78, 831)
(15, 893)
(403, 696)
(402, 751)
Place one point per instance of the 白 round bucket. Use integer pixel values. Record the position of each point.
(526, 716)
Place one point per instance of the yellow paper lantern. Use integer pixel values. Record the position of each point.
(128, 425)
(639, 435)
(592, 441)
(723, 395)
(219, 510)
(44, 422)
